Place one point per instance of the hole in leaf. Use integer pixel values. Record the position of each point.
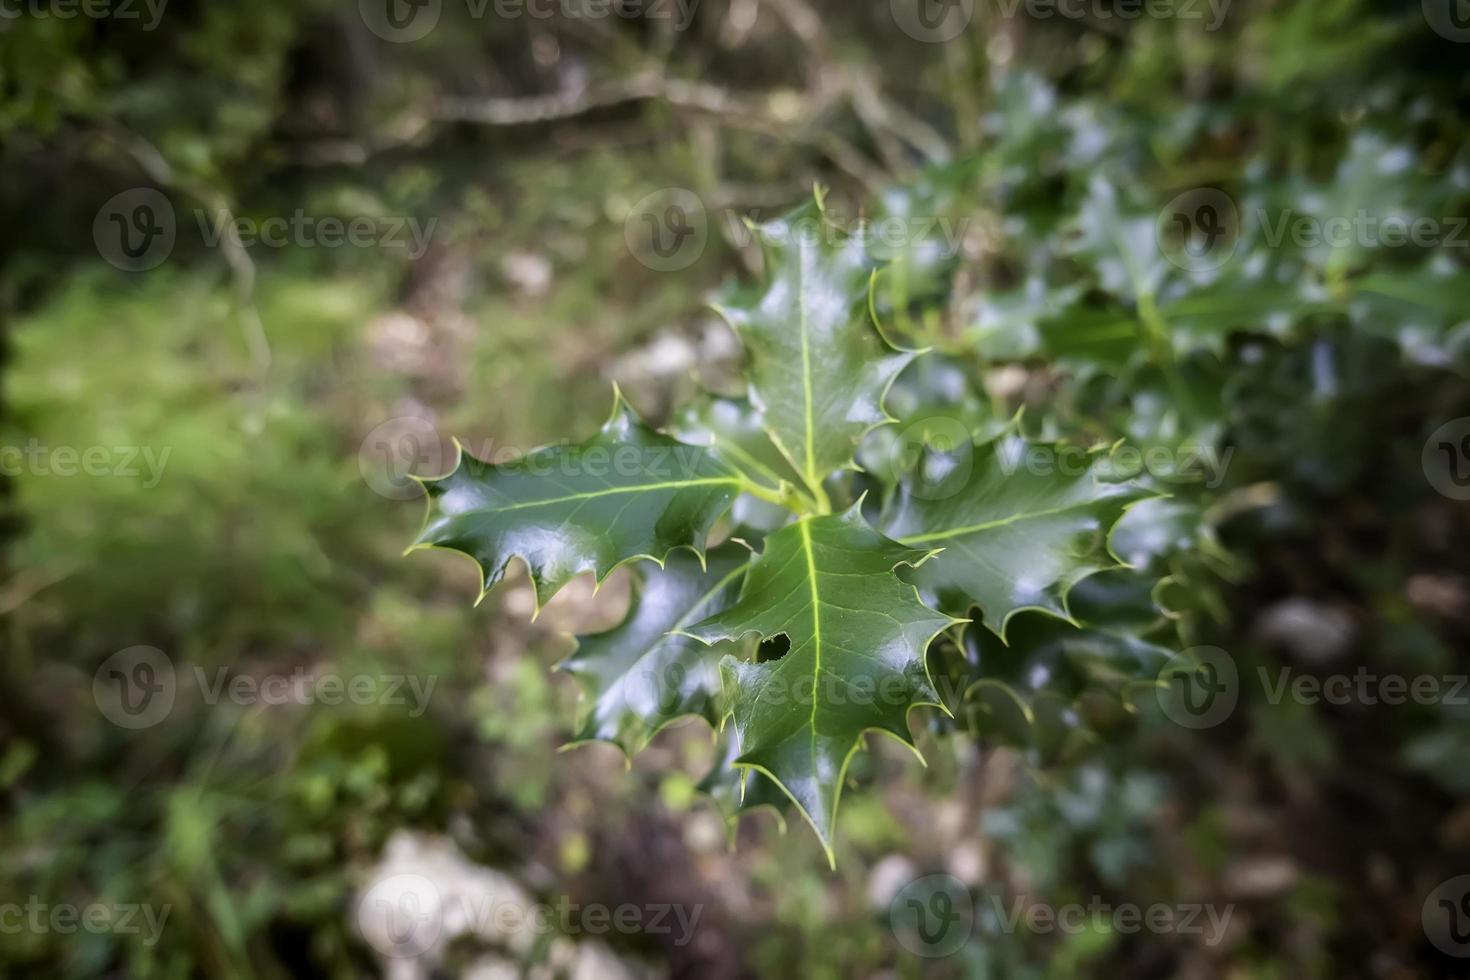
(773, 649)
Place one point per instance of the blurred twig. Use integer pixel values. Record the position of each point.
(242, 267)
(791, 115)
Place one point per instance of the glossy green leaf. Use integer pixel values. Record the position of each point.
(640, 676)
(818, 367)
(626, 493)
(1029, 522)
(1086, 339)
(916, 229)
(936, 405)
(856, 660)
(1052, 686)
(1119, 242)
(1008, 323)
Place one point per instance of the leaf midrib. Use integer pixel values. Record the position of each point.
(610, 491)
(956, 532)
(811, 570)
(806, 365)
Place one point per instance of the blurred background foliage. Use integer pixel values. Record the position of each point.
(264, 546)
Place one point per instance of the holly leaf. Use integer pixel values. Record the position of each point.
(1087, 339)
(1052, 686)
(936, 405)
(1119, 242)
(818, 368)
(916, 230)
(1416, 307)
(858, 637)
(1030, 522)
(1377, 180)
(628, 492)
(1437, 291)
(1243, 283)
(1241, 297)
(639, 675)
(1007, 324)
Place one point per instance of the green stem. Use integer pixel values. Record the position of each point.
(819, 493)
(790, 497)
(764, 493)
(1156, 335)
